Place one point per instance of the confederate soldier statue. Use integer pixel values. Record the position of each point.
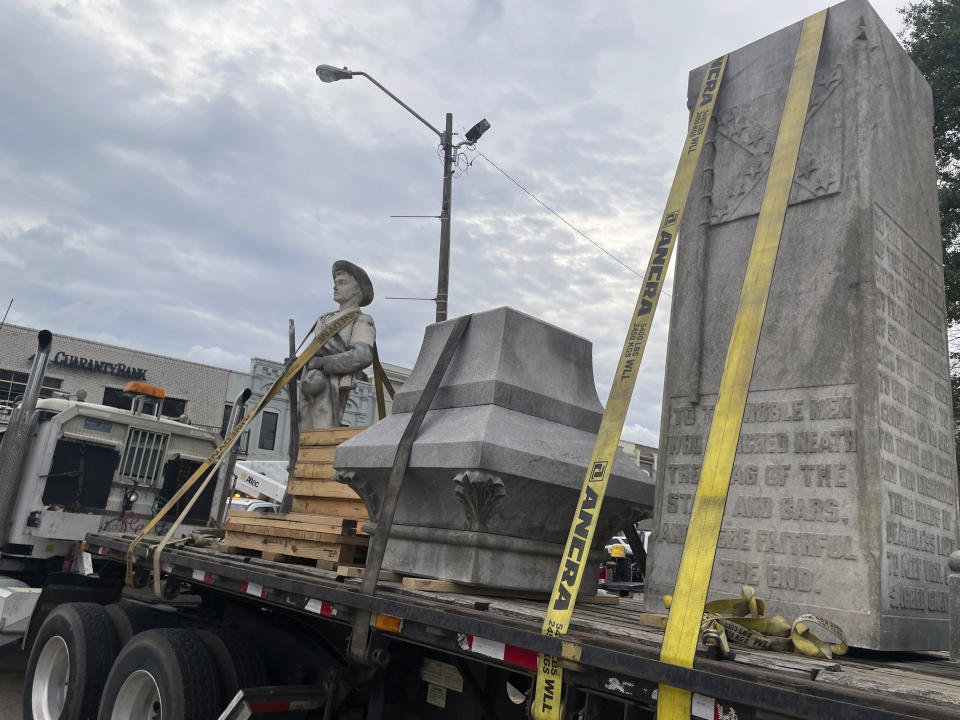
(333, 372)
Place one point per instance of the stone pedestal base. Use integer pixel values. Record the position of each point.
(496, 471)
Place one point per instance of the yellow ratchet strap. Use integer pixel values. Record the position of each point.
(319, 340)
(546, 703)
(696, 562)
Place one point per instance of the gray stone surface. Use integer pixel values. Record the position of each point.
(496, 470)
(954, 589)
(843, 496)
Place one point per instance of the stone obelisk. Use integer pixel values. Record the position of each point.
(843, 498)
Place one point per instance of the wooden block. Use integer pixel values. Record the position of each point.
(310, 523)
(317, 523)
(448, 586)
(290, 531)
(648, 619)
(328, 436)
(350, 509)
(317, 454)
(347, 525)
(285, 546)
(356, 571)
(321, 488)
(313, 471)
(327, 564)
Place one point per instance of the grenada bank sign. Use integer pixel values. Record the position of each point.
(108, 368)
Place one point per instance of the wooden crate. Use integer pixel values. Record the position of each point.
(323, 525)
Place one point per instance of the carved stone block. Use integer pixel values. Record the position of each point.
(496, 471)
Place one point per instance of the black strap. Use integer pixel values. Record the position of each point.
(375, 551)
(381, 381)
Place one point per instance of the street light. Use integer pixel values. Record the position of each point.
(328, 74)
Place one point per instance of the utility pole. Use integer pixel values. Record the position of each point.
(329, 74)
(443, 275)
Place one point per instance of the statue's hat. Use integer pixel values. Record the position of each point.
(358, 274)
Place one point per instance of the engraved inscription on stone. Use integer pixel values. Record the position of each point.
(916, 434)
(790, 522)
(843, 495)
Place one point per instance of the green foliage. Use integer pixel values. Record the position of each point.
(932, 38)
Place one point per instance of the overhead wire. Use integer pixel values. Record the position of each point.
(559, 216)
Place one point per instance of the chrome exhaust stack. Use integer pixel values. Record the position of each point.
(19, 435)
(21, 416)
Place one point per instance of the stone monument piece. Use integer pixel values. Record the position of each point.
(843, 498)
(332, 373)
(496, 470)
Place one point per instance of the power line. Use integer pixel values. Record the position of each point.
(563, 219)
(5, 314)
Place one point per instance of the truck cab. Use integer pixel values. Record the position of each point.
(90, 467)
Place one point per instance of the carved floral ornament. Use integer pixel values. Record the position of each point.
(480, 494)
(362, 487)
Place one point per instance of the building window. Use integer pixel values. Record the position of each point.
(268, 431)
(172, 407)
(13, 383)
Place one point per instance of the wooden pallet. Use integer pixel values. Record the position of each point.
(325, 541)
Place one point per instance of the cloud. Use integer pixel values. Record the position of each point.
(219, 357)
(174, 175)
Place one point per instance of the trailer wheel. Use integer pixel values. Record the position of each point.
(166, 673)
(69, 663)
(130, 618)
(239, 665)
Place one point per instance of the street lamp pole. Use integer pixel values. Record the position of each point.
(328, 74)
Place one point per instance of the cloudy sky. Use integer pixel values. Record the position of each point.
(174, 177)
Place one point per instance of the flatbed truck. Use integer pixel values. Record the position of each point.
(442, 655)
(233, 636)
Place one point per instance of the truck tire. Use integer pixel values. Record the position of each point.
(69, 663)
(168, 668)
(239, 665)
(130, 618)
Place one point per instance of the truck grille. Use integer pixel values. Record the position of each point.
(143, 457)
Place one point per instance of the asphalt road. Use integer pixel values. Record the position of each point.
(13, 660)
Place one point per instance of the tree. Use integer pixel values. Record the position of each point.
(932, 38)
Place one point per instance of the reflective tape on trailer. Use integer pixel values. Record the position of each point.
(499, 651)
(201, 576)
(249, 588)
(319, 607)
(707, 708)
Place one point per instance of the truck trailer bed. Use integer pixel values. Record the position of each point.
(618, 648)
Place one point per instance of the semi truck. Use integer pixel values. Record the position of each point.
(233, 636)
(69, 467)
